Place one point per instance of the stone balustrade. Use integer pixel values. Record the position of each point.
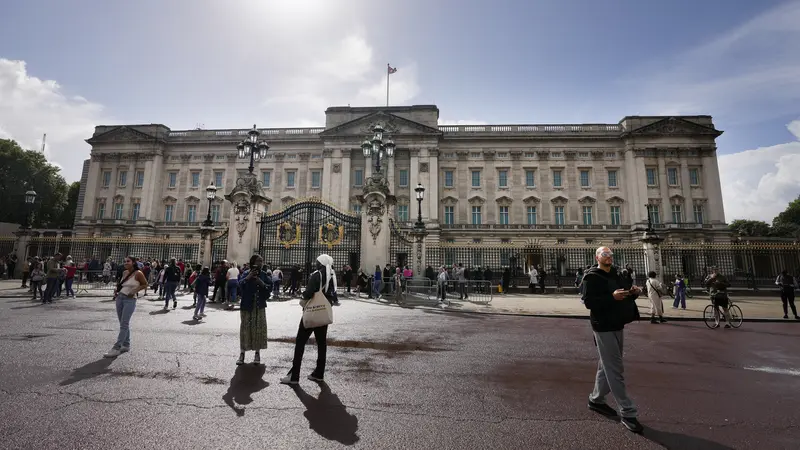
(600, 128)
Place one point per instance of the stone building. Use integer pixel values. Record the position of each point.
(550, 184)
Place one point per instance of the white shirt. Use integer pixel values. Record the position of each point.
(233, 273)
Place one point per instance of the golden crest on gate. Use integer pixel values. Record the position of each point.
(331, 234)
(288, 234)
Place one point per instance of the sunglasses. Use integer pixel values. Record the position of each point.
(606, 254)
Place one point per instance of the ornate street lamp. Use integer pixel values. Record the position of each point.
(420, 190)
(252, 148)
(378, 147)
(211, 194)
(30, 199)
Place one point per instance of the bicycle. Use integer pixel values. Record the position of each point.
(734, 311)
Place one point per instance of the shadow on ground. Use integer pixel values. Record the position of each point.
(91, 370)
(681, 441)
(246, 381)
(327, 416)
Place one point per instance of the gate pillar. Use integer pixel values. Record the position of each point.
(652, 254)
(247, 206)
(375, 223)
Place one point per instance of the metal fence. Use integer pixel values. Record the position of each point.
(219, 247)
(7, 244)
(117, 249)
(745, 265)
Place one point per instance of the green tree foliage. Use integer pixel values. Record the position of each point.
(750, 228)
(785, 224)
(23, 170)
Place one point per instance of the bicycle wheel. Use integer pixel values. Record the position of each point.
(708, 317)
(736, 316)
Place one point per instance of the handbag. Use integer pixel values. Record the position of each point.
(318, 311)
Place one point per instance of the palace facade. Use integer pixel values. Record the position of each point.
(488, 184)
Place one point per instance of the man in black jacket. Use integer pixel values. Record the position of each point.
(611, 308)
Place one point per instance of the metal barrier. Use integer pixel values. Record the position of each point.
(473, 291)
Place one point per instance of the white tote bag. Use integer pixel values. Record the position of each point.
(318, 311)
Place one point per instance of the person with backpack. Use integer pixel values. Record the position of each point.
(172, 278)
(611, 308)
(787, 285)
(655, 290)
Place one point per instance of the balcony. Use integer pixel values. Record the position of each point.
(238, 135)
(486, 226)
(533, 130)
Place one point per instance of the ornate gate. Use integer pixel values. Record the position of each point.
(299, 233)
(219, 247)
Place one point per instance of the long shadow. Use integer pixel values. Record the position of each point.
(191, 322)
(327, 416)
(681, 441)
(159, 312)
(246, 381)
(91, 370)
(26, 307)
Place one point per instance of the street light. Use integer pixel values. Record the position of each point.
(30, 199)
(378, 147)
(252, 148)
(420, 190)
(211, 194)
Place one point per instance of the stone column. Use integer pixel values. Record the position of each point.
(247, 207)
(418, 252)
(375, 222)
(652, 254)
(21, 250)
(205, 246)
(433, 194)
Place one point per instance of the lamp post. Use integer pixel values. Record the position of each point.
(211, 194)
(378, 147)
(252, 148)
(420, 190)
(30, 199)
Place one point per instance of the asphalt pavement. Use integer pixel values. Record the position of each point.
(397, 378)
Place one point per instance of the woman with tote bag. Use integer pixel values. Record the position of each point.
(318, 298)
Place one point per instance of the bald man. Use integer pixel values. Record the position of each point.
(611, 307)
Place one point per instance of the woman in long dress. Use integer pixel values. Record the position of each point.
(256, 288)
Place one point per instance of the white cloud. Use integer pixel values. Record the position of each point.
(30, 107)
(345, 73)
(749, 74)
(758, 184)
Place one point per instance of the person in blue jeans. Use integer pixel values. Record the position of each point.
(376, 285)
(680, 293)
(200, 285)
(172, 278)
(232, 285)
(133, 281)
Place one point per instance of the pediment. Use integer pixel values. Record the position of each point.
(287, 199)
(192, 198)
(449, 199)
(122, 133)
(504, 199)
(531, 199)
(675, 126)
(559, 199)
(477, 199)
(677, 197)
(615, 199)
(587, 199)
(394, 125)
(170, 198)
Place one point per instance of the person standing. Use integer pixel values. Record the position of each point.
(232, 285)
(277, 279)
(37, 277)
(347, 277)
(461, 278)
(611, 307)
(322, 280)
(71, 269)
(129, 285)
(542, 277)
(441, 280)
(256, 289)
(172, 278)
(200, 285)
(12, 266)
(26, 271)
(655, 290)
(53, 270)
(680, 293)
(787, 285)
(376, 283)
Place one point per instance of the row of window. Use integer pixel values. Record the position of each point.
(677, 213)
(530, 178)
(194, 181)
(673, 176)
(169, 212)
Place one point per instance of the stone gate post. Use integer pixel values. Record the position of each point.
(375, 223)
(248, 205)
(204, 254)
(652, 254)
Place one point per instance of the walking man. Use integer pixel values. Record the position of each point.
(611, 307)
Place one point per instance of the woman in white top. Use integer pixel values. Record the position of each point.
(232, 284)
(534, 279)
(132, 281)
(655, 290)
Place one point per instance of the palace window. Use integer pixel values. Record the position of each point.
(530, 180)
(585, 178)
(135, 211)
(218, 178)
(402, 213)
(476, 215)
(677, 214)
(449, 215)
(616, 216)
(698, 213)
(504, 215)
(476, 178)
(290, 176)
(652, 176)
(139, 182)
(654, 213)
(118, 210)
(559, 215)
(612, 178)
(316, 179)
(672, 176)
(502, 178)
(168, 212)
(106, 178)
(101, 210)
(172, 179)
(448, 178)
(531, 215)
(557, 178)
(266, 178)
(191, 213)
(358, 177)
(403, 182)
(195, 179)
(587, 215)
(215, 213)
(694, 176)
(122, 178)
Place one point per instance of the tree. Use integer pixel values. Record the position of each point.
(67, 219)
(750, 228)
(23, 170)
(790, 216)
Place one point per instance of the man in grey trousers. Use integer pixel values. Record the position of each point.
(611, 308)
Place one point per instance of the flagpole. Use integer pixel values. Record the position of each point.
(387, 83)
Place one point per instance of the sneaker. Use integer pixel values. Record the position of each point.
(653, 321)
(727, 326)
(196, 318)
(288, 380)
(313, 377)
(166, 308)
(603, 409)
(632, 424)
(124, 349)
(257, 359)
(785, 316)
(174, 304)
(662, 320)
(336, 303)
(113, 353)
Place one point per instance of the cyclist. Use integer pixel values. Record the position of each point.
(718, 290)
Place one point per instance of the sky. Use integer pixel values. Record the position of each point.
(66, 67)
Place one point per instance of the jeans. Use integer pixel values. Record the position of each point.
(609, 378)
(37, 286)
(787, 298)
(68, 285)
(303, 333)
(50, 290)
(443, 290)
(376, 288)
(201, 305)
(233, 286)
(125, 307)
(169, 288)
(680, 298)
(276, 288)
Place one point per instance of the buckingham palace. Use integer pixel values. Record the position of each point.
(580, 183)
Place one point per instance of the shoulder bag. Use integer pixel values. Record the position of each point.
(318, 312)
